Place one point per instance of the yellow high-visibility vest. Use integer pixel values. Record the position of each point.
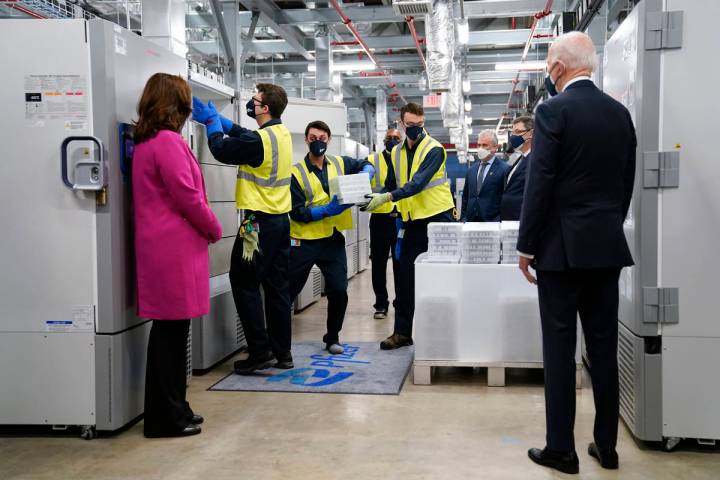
(267, 188)
(315, 196)
(436, 197)
(378, 181)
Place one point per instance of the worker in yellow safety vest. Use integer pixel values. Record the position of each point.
(383, 226)
(419, 185)
(261, 254)
(316, 221)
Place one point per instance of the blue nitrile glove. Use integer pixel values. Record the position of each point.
(208, 115)
(370, 170)
(329, 210)
(200, 111)
(398, 241)
(226, 123)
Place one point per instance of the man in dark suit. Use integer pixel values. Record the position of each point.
(484, 182)
(578, 192)
(512, 197)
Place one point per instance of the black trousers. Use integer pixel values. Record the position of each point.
(267, 327)
(329, 255)
(166, 410)
(383, 235)
(592, 293)
(413, 243)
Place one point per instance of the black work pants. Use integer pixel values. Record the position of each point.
(413, 243)
(592, 293)
(330, 257)
(166, 410)
(383, 235)
(267, 327)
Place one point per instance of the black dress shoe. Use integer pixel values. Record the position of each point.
(284, 362)
(185, 432)
(196, 419)
(253, 363)
(608, 458)
(563, 462)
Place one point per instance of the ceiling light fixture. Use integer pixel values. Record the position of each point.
(519, 66)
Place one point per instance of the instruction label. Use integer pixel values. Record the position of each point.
(56, 97)
(83, 321)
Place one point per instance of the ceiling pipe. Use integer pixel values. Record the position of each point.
(537, 17)
(351, 27)
(411, 25)
(14, 5)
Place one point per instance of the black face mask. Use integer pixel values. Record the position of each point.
(250, 108)
(550, 86)
(413, 132)
(318, 148)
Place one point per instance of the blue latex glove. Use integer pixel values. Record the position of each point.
(329, 210)
(370, 170)
(208, 115)
(398, 241)
(226, 123)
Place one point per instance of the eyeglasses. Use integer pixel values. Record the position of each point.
(518, 132)
(260, 102)
(387, 139)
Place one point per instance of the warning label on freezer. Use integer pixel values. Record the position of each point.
(83, 321)
(56, 97)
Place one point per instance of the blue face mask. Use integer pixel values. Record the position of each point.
(318, 148)
(550, 86)
(390, 144)
(413, 132)
(516, 140)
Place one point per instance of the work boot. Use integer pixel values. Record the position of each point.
(252, 363)
(396, 341)
(335, 348)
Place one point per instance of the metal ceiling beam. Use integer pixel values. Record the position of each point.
(366, 14)
(222, 28)
(268, 13)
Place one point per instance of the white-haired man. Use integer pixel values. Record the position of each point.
(484, 182)
(578, 191)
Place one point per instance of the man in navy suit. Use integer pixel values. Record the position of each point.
(577, 195)
(484, 182)
(512, 197)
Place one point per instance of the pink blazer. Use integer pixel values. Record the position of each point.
(173, 226)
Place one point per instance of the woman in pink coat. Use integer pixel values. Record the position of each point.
(173, 227)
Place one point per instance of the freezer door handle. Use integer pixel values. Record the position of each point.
(90, 174)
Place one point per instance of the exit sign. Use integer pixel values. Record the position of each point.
(431, 101)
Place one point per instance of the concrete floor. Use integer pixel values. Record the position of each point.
(455, 429)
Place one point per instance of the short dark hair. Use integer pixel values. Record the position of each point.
(274, 97)
(413, 108)
(320, 125)
(527, 122)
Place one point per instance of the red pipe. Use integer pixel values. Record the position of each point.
(513, 24)
(372, 74)
(13, 4)
(336, 44)
(349, 25)
(539, 15)
(411, 24)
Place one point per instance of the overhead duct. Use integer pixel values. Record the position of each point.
(440, 44)
(451, 103)
(163, 23)
(381, 117)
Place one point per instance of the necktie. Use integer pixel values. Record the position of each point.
(481, 176)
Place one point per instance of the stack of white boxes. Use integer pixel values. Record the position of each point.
(509, 232)
(481, 242)
(444, 241)
(350, 188)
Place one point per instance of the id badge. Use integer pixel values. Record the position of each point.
(401, 233)
(294, 242)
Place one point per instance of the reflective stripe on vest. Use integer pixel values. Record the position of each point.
(272, 180)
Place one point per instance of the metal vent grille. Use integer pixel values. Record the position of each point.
(412, 7)
(189, 368)
(239, 332)
(317, 283)
(626, 366)
(356, 254)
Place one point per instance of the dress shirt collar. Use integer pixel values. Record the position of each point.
(575, 80)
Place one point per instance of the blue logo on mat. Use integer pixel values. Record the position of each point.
(304, 376)
(300, 376)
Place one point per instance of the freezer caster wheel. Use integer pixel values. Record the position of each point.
(669, 443)
(88, 432)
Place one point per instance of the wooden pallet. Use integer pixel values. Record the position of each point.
(422, 370)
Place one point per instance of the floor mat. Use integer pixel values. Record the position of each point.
(362, 369)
